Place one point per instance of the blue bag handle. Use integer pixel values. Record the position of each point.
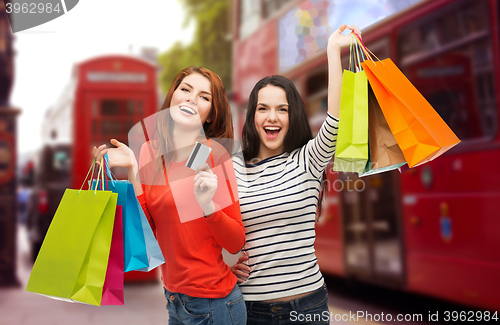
(110, 174)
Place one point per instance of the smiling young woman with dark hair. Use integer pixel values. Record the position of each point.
(297, 117)
(280, 185)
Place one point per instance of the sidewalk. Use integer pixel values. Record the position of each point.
(144, 303)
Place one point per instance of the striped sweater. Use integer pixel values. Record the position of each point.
(278, 199)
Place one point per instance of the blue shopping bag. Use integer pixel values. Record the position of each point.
(134, 244)
(155, 256)
(135, 255)
(141, 250)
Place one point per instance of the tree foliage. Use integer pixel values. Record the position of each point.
(210, 47)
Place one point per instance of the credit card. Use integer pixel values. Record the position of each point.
(198, 156)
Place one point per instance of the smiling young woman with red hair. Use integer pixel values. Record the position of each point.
(199, 286)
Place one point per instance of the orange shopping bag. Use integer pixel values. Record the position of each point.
(420, 132)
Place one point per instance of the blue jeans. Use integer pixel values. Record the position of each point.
(187, 310)
(310, 309)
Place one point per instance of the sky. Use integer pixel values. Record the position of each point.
(46, 54)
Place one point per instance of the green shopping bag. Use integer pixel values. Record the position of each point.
(73, 259)
(351, 154)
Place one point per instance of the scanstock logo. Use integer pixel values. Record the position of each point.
(25, 14)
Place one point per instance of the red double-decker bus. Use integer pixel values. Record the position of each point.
(432, 229)
(105, 97)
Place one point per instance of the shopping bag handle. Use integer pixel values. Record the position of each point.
(105, 178)
(355, 50)
(359, 49)
(95, 174)
(361, 45)
(98, 175)
(104, 183)
(109, 173)
(365, 49)
(90, 169)
(351, 54)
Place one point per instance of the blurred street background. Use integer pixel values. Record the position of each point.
(145, 303)
(417, 242)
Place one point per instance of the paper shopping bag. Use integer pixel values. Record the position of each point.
(74, 255)
(420, 132)
(134, 243)
(351, 154)
(155, 256)
(384, 153)
(112, 292)
(141, 250)
(418, 129)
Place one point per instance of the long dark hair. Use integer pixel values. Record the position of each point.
(299, 131)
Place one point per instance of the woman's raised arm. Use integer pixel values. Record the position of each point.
(336, 42)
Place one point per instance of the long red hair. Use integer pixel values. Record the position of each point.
(221, 125)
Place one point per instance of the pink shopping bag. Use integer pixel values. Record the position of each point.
(112, 293)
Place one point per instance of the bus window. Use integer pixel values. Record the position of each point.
(449, 59)
(249, 17)
(317, 94)
(270, 7)
(317, 82)
(474, 16)
(381, 48)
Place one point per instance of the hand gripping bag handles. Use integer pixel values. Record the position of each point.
(351, 154)
(141, 250)
(420, 132)
(73, 259)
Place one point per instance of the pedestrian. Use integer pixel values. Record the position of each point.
(199, 287)
(280, 187)
(23, 195)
